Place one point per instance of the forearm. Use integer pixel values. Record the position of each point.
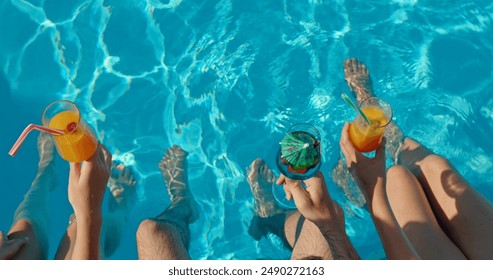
(394, 240)
(86, 245)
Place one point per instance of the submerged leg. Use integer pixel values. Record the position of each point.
(168, 236)
(268, 216)
(31, 218)
(122, 187)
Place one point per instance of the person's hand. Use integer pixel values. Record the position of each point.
(316, 205)
(367, 172)
(9, 248)
(87, 182)
(314, 202)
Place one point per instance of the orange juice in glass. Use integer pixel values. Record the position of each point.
(78, 142)
(365, 137)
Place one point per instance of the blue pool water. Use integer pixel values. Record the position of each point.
(224, 79)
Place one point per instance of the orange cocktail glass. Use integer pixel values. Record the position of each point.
(78, 142)
(365, 137)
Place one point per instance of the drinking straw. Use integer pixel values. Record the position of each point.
(27, 130)
(350, 102)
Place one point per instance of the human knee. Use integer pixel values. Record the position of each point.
(147, 228)
(397, 171)
(395, 176)
(22, 225)
(151, 229)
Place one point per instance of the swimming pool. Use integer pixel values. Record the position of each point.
(224, 79)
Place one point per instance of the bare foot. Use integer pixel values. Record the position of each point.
(268, 217)
(173, 167)
(358, 79)
(122, 186)
(261, 179)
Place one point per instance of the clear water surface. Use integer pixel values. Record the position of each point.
(224, 79)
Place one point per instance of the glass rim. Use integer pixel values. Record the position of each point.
(309, 125)
(52, 104)
(387, 111)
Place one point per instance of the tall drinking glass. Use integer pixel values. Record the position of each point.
(365, 137)
(78, 142)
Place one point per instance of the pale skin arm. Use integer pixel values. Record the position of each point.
(316, 205)
(369, 174)
(87, 183)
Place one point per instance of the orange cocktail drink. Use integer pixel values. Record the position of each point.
(365, 137)
(78, 142)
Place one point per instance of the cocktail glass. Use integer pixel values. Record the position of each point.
(366, 137)
(299, 156)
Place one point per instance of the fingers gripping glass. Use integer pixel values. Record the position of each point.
(368, 137)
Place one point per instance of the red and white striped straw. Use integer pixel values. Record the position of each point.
(26, 131)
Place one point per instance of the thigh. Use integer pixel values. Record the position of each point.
(415, 216)
(305, 238)
(160, 241)
(463, 212)
(465, 215)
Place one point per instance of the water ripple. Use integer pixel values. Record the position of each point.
(225, 78)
